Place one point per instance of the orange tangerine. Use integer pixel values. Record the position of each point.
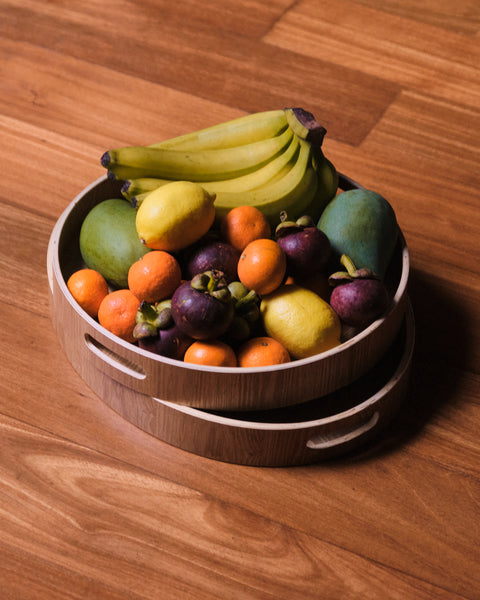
(243, 224)
(211, 352)
(262, 266)
(261, 352)
(155, 276)
(89, 288)
(118, 313)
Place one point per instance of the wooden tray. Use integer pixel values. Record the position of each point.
(301, 434)
(95, 353)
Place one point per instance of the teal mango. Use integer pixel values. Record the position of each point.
(363, 225)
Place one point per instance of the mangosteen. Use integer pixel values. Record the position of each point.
(306, 247)
(157, 332)
(203, 308)
(213, 256)
(359, 296)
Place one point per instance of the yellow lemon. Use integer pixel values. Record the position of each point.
(300, 320)
(175, 215)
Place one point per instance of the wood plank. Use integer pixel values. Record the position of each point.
(104, 116)
(114, 524)
(204, 59)
(460, 17)
(394, 48)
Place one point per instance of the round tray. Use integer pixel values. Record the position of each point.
(309, 432)
(96, 353)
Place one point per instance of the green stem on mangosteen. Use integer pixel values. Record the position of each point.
(348, 263)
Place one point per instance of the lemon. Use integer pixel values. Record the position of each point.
(300, 320)
(175, 215)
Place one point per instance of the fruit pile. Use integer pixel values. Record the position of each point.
(226, 245)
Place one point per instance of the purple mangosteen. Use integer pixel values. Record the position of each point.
(171, 342)
(213, 256)
(156, 331)
(203, 307)
(359, 296)
(306, 247)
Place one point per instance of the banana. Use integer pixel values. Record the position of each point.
(304, 125)
(122, 173)
(200, 165)
(141, 185)
(244, 130)
(136, 187)
(293, 189)
(293, 192)
(327, 183)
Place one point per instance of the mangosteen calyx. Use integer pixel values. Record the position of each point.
(152, 317)
(286, 227)
(212, 283)
(351, 273)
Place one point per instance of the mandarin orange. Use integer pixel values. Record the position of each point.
(155, 276)
(89, 288)
(118, 313)
(261, 352)
(243, 224)
(211, 352)
(262, 266)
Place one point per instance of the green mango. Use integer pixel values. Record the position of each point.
(361, 224)
(109, 242)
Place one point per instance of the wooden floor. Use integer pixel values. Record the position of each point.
(90, 506)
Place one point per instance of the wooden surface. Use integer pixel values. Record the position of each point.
(91, 507)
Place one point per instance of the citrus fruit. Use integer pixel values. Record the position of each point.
(118, 312)
(155, 276)
(175, 216)
(300, 320)
(211, 352)
(243, 224)
(89, 288)
(262, 266)
(261, 352)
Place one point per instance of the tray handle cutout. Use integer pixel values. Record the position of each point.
(322, 441)
(113, 359)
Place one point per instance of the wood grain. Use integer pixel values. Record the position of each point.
(92, 507)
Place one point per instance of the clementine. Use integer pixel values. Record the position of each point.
(262, 266)
(155, 276)
(89, 288)
(118, 313)
(243, 224)
(261, 352)
(211, 352)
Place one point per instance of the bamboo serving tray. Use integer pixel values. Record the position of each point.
(99, 356)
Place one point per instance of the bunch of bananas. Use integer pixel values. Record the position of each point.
(272, 160)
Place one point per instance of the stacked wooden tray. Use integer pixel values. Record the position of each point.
(289, 414)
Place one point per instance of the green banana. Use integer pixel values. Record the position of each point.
(304, 125)
(244, 130)
(135, 187)
(201, 165)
